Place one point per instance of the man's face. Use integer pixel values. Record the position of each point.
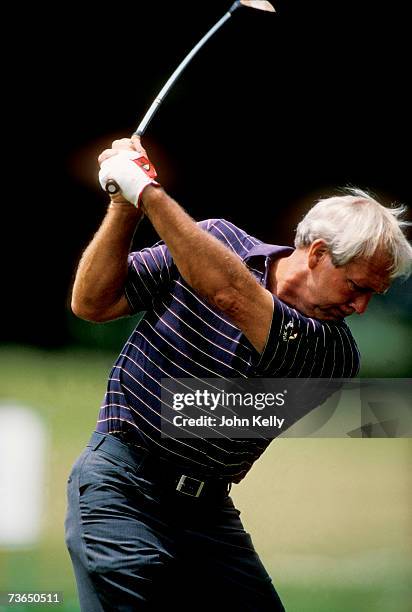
(337, 292)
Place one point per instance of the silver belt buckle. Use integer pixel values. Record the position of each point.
(187, 485)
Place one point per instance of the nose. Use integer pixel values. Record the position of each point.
(360, 303)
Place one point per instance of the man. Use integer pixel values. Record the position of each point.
(150, 522)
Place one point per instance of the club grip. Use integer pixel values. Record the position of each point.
(112, 187)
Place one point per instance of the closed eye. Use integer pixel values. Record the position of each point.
(354, 287)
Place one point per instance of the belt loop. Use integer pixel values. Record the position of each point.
(96, 446)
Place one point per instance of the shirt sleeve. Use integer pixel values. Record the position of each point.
(304, 348)
(299, 346)
(234, 238)
(280, 319)
(150, 273)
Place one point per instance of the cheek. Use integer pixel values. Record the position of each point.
(328, 284)
(332, 287)
(331, 280)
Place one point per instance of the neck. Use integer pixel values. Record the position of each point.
(288, 279)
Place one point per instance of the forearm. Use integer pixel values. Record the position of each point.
(206, 264)
(102, 270)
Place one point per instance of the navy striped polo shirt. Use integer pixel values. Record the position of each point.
(181, 335)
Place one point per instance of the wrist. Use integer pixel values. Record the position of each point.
(125, 209)
(131, 172)
(151, 194)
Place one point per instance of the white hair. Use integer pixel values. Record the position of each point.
(356, 225)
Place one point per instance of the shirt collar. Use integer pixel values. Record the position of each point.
(260, 252)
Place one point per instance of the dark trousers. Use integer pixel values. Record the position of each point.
(137, 546)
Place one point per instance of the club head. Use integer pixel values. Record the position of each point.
(261, 5)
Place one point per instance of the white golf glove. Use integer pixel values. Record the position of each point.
(131, 171)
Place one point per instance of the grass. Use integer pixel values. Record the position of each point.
(330, 518)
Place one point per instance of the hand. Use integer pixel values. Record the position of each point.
(127, 164)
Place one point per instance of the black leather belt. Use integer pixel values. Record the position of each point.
(172, 478)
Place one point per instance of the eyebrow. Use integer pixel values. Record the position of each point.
(367, 289)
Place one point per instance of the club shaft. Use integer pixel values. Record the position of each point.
(168, 85)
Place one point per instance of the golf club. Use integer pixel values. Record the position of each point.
(112, 187)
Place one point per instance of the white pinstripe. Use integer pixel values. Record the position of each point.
(208, 324)
(207, 307)
(196, 450)
(197, 348)
(168, 450)
(165, 403)
(221, 348)
(280, 331)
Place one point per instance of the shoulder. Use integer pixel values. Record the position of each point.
(236, 238)
(327, 330)
(329, 346)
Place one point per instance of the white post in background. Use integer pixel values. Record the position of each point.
(22, 475)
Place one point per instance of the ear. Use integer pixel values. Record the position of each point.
(316, 253)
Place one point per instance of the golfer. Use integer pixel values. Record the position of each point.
(150, 521)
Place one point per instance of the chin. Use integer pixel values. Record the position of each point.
(329, 317)
(330, 314)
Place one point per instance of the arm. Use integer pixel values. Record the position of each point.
(206, 264)
(98, 287)
(210, 267)
(98, 290)
(108, 283)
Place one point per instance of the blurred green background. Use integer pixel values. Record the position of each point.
(275, 114)
(330, 517)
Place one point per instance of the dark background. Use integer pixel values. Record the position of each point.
(275, 111)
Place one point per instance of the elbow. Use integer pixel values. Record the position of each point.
(85, 311)
(225, 299)
(229, 301)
